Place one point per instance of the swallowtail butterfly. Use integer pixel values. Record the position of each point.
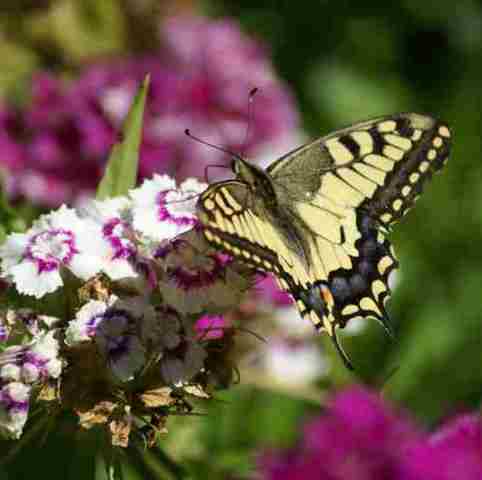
(318, 216)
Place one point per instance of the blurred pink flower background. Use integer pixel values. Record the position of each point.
(55, 147)
(362, 437)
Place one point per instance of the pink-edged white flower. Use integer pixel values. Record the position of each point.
(194, 281)
(41, 360)
(14, 405)
(120, 249)
(161, 211)
(84, 327)
(116, 327)
(34, 260)
(37, 361)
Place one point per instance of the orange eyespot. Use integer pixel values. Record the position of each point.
(326, 295)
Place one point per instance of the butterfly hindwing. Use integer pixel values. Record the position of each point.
(360, 289)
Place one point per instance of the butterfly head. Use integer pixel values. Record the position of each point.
(254, 176)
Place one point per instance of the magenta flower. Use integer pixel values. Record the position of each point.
(56, 148)
(210, 327)
(360, 437)
(452, 452)
(268, 291)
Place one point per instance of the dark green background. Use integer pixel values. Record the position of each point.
(345, 61)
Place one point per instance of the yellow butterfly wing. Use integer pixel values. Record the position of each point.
(379, 166)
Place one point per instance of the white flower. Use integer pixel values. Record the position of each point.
(41, 359)
(161, 211)
(14, 404)
(38, 360)
(10, 372)
(294, 363)
(120, 250)
(290, 324)
(60, 239)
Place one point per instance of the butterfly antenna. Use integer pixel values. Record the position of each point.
(251, 95)
(216, 147)
(341, 352)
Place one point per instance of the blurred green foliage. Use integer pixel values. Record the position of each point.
(345, 61)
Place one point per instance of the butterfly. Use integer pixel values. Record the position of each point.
(317, 218)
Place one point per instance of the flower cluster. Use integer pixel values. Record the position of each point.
(25, 365)
(56, 147)
(359, 436)
(135, 312)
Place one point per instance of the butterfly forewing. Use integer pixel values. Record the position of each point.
(234, 220)
(379, 165)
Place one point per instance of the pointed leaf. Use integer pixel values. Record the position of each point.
(121, 170)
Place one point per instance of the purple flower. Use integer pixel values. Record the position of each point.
(55, 149)
(114, 325)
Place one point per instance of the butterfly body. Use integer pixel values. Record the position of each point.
(317, 217)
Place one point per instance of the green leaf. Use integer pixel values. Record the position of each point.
(9, 219)
(121, 170)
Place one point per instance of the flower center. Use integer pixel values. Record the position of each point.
(51, 248)
(116, 231)
(174, 207)
(199, 274)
